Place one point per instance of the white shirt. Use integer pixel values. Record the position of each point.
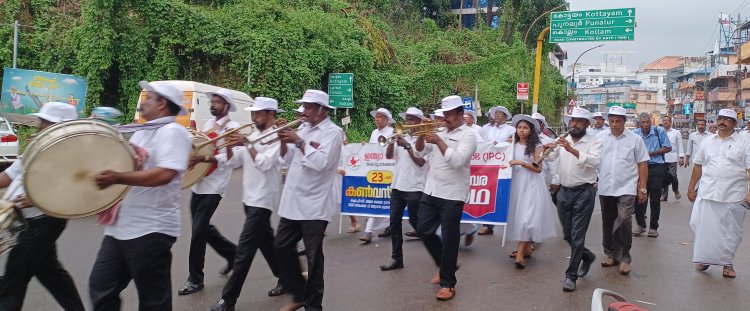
(694, 143)
(385, 132)
(448, 176)
(147, 210)
(595, 131)
(549, 167)
(675, 138)
(618, 170)
(724, 168)
(261, 177)
(501, 133)
(217, 181)
(582, 170)
(480, 132)
(488, 131)
(15, 172)
(308, 194)
(407, 175)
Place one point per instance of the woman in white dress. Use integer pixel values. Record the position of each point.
(530, 217)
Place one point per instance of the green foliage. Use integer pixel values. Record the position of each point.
(402, 53)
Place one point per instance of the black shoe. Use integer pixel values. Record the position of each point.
(221, 306)
(411, 234)
(585, 265)
(227, 269)
(385, 233)
(392, 265)
(569, 285)
(276, 291)
(189, 288)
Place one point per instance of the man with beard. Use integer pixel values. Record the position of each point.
(694, 141)
(657, 144)
(207, 194)
(579, 155)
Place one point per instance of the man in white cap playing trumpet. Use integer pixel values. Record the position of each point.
(722, 166)
(207, 194)
(406, 187)
(138, 245)
(307, 202)
(383, 120)
(35, 255)
(261, 181)
(446, 191)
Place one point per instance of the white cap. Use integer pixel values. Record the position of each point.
(227, 96)
(301, 109)
(472, 113)
(540, 117)
(384, 112)
(597, 115)
(265, 103)
(57, 112)
(579, 113)
(450, 103)
(412, 111)
(316, 97)
(502, 109)
(165, 90)
(437, 113)
(728, 113)
(616, 111)
(535, 125)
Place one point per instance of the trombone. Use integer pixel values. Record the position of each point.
(294, 125)
(413, 130)
(225, 134)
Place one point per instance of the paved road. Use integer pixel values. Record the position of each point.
(662, 273)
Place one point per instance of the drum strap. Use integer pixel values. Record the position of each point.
(134, 127)
(211, 133)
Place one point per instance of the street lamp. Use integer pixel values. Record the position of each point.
(573, 78)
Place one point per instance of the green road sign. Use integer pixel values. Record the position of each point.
(341, 90)
(596, 25)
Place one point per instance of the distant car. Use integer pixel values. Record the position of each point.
(8, 144)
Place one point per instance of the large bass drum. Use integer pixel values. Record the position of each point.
(197, 172)
(61, 162)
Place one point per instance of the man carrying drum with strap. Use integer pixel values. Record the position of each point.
(36, 251)
(138, 244)
(207, 194)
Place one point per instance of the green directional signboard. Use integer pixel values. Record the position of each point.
(595, 25)
(341, 90)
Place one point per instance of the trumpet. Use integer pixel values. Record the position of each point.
(412, 130)
(225, 134)
(294, 125)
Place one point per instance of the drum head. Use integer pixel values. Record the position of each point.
(195, 174)
(59, 179)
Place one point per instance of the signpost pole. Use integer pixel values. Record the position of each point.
(538, 69)
(15, 43)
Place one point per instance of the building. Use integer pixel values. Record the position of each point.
(589, 76)
(724, 89)
(597, 99)
(654, 77)
(470, 11)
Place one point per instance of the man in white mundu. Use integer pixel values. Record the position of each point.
(720, 174)
(383, 120)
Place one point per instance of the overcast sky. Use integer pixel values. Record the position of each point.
(665, 27)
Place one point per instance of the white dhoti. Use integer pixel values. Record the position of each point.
(718, 231)
(377, 223)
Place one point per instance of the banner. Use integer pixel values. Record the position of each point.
(25, 91)
(366, 187)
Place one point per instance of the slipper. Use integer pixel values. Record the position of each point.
(701, 267)
(729, 272)
(520, 264)
(353, 229)
(513, 255)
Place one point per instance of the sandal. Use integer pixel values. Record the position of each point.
(353, 229)
(729, 272)
(513, 255)
(520, 264)
(701, 267)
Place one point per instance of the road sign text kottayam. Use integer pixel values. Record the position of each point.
(341, 90)
(595, 25)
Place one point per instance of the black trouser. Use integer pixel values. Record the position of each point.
(672, 170)
(147, 260)
(575, 206)
(401, 200)
(256, 234)
(311, 233)
(434, 212)
(35, 255)
(202, 208)
(655, 176)
(617, 214)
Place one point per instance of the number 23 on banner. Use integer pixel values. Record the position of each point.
(379, 177)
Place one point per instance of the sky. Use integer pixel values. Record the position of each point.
(665, 28)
